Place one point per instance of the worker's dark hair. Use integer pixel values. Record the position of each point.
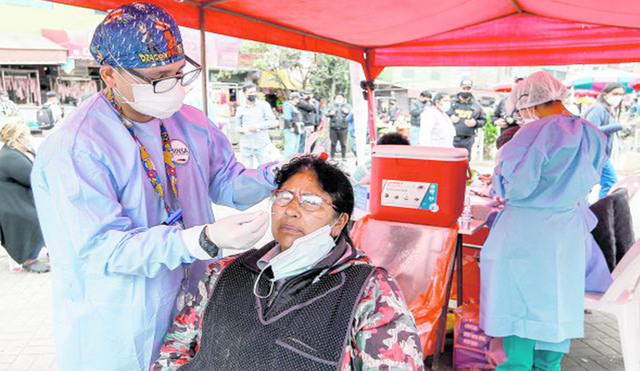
(611, 87)
(332, 180)
(393, 138)
(615, 111)
(439, 96)
(608, 89)
(426, 94)
(247, 86)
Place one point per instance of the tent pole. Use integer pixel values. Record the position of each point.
(203, 62)
(371, 99)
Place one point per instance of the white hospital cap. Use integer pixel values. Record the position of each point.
(539, 88)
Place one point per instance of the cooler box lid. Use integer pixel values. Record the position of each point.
(420, 153)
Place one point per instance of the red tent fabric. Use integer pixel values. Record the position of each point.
(425, 32)
(381, 33)
(519, 40)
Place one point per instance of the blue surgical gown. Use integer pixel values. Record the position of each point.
(533, 262)
(116, 270)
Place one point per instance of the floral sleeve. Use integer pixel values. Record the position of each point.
(384, 335)
(183, 338)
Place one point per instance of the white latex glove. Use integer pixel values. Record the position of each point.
(239, 232)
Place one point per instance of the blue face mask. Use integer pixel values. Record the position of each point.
(304, 253)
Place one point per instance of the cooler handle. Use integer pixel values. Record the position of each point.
(469, 173)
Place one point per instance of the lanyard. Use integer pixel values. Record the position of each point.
(174, 216)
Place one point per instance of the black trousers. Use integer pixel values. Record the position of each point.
(464, 142)
(339, 135)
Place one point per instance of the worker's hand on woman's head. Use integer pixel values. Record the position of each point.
(238, 232)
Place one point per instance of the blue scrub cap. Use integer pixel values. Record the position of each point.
(137, 35)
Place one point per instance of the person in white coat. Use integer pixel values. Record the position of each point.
(436, 127)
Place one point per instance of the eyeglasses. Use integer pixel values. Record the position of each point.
(307, 201)
(165, 84)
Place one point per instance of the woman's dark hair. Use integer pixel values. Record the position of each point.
(332, 180)
(393, 138)
(615, 111)
(439, 96)
(506, 136)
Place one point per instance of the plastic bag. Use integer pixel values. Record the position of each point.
(418, 256)
(470, 281)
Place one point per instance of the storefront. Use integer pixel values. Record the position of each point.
(27, 61)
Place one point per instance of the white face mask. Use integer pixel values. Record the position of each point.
(304, 253)
(162, 105)
(445, 106)
(531, 113)
(614, 100)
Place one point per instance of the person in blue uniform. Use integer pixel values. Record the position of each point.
(533, 262)
(123, 189)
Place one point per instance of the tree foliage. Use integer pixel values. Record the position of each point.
(330, 76)
(325, 74)
(279, 61)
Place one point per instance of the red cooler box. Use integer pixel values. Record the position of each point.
(419, 185)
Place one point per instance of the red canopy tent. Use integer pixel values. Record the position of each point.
(381, 33)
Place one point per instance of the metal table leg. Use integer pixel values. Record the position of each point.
(459, 266)
(445, 309)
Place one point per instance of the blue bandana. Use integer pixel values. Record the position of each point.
(137, 35)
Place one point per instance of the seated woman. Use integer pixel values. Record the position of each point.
(306, 301)
(20, 232)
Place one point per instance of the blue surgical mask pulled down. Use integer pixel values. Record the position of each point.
(304, 253)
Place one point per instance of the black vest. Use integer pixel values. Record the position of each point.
(309, 332)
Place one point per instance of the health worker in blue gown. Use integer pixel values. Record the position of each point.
(123, 190)
(533, 262)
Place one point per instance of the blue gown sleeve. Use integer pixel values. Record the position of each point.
(598, 117)
(86, 199)
(230, 183)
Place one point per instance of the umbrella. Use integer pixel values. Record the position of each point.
(597, 80)
(635, 84)
(585, 101)
(579, 93)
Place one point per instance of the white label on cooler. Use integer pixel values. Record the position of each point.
(410, 195)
